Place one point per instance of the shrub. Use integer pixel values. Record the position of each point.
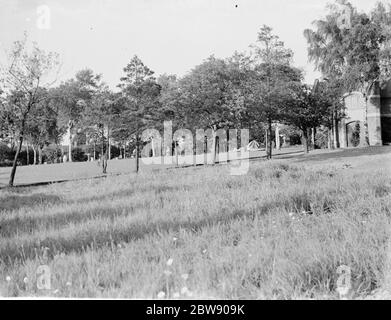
(5, 152)
(78, 155)
(23, 157)
(52, 154)
(321, 139)
(6, 155)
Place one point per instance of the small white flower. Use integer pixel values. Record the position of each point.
(204, 251)
(175, 239)
(167, 273)
(68, 284)
(25, 280)
(161, 295)
(176, 295)
(184, 290)
(291, 214)
(185, 276)
(56, 291)
(170, 261)
(8, 278)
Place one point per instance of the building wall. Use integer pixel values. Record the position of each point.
(386, 113)
(376, 113)
(355, 111)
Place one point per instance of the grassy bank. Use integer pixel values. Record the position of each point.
(281, 231)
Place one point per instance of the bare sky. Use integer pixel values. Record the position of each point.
(170, 36)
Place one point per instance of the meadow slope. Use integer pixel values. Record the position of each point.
(281, 231)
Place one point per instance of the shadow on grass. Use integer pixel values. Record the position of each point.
(343, 153)
(17, 201)
(29, 224)
(11, 252)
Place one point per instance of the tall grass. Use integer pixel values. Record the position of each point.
(281, 231)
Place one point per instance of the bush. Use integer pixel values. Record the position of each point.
(78, 155)
(321, 139)
(52, 154)
(6, 155)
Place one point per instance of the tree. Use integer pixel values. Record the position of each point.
(239, 94)
(352, 47)
(207, 98)
(273, 75)
(139, 101)
(42, 127)
(98, 119)
(306, 109)
(26, 73)
(72, 97)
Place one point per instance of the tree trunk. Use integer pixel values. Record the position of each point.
(27, 154)
(94, 150)
(40, 154)
(195, 154)
(332, 134)
(214, 144)
(104, 162)
(313, 134)
(304, 140)
(217, 150)
(109, 142)
(336, 134)
(277, 134)
(103, 153)
(137, 153)
(205, 150)
(34, 155)
(176, 154)
(70, 144)
(15, 163)
(269, 146)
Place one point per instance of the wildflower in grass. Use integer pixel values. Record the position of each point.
(184, 290)
(185, 276)
(204, 251)
(161, 295)
(175, 239)
(176, 295)
(8, 278)
(170, 262)
(25, 280)
(68, 284)
(167, 273)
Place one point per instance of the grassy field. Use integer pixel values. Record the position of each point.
(82, 170)
(279, 232)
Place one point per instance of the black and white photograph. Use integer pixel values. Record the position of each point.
(173, 151)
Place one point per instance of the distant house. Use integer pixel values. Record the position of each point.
(370, 116)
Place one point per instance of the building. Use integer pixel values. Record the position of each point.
(367, 121)
(371, 116)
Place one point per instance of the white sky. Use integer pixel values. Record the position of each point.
(170, 36)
